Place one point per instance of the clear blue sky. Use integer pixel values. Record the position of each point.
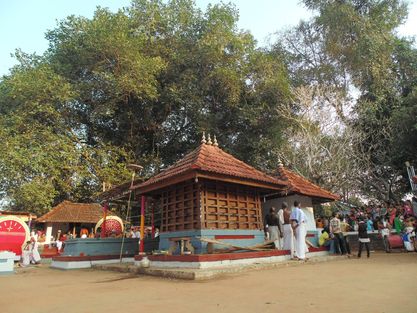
(23, 23)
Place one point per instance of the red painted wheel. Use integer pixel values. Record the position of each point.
(13, 234)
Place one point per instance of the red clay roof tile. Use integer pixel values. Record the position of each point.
(211, 159)
(300, 185)
(69, 212)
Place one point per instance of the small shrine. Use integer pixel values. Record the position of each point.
(211, 194)
(299, 189)
(70, 217)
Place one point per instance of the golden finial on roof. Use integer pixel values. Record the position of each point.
(209, 142)
(203, 140)
(215, 143)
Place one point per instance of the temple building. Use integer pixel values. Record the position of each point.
(207, 205)
(209, 193)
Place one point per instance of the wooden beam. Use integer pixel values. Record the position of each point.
(240, 181)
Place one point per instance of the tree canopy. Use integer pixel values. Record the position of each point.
(140, 86)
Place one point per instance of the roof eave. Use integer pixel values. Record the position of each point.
(194, 173)
(241, 180)
(143, 189)
(62, 221)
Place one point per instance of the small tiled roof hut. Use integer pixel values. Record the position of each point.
(70, 212)
(298, 189)
(297, 184)
(69, 216)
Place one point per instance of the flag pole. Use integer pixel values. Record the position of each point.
(142, 224)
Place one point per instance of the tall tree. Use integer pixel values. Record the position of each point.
(361, 37)
(137, 85)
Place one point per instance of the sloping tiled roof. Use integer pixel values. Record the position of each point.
(211, 159)
(69, 212)
(300, 185)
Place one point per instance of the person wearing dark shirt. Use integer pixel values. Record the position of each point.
(363, 238)
(272, 227)
(288, 234)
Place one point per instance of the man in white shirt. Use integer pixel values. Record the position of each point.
(298, 221)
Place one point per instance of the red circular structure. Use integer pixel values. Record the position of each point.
(112, 226)
(13, 234)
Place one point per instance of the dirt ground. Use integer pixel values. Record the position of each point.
(384, 283)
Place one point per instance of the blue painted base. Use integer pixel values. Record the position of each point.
(201, 247)
(100, 246)
(314, 240)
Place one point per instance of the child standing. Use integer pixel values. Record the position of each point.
(363, 238)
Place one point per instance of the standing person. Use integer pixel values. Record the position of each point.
(408, 210)
(272, 230)
(336, 231)
(392, 213)
(384, 229)
(137, 233)
(281, 226)
(298, 221)
(288, 233)
(345, 229)
(363, 238)
(369, 224)
(25, 258)
(36, 257)
(398, 224)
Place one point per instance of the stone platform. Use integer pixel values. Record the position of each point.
(207, 273)
(223, 259)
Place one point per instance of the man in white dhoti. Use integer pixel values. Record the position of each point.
(36, 258)
(298, 221)
(26, 253)
(272, 228)
(288, 242)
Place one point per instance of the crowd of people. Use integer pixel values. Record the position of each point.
(287, 227)
(383, 219)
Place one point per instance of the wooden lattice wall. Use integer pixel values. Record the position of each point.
(180, 207)
(210, 205)
(230, 206)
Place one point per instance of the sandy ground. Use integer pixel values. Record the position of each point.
(384, 283)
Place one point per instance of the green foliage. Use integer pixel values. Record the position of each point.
(360, 35)
(43, 159)
(139, 85)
